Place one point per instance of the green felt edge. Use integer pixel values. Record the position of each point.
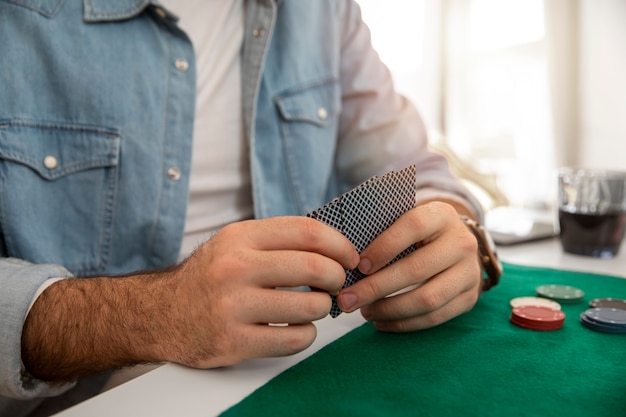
(477, 364)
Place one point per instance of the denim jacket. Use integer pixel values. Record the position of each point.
(96, 118)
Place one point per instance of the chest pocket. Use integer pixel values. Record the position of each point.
(57, 193)
(47, 8)
(309, 124)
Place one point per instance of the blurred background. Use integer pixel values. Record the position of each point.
(510, 90)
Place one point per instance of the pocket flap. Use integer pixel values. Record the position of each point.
(47, 8)
(315, 105)
(56, 150)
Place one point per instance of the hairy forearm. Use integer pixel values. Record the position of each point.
(86, 325)
(211, 310)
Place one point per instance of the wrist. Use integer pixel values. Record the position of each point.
(487, 254)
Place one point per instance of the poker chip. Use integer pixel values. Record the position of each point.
(600, 327)
(534, 301)
(608, 303)
(537, 317)
(607, 320)
(609, 316)
(561, 293)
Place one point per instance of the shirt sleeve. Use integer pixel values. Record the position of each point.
(20, 282)
(380, 130)
(40, 290)
(424, 194)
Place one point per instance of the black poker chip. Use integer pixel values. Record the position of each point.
(608, 303)
(604, 319)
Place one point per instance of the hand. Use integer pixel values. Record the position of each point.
(226, 296)
(212, 310)
(439, 280)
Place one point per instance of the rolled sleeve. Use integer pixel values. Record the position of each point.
(380, 130)
(19, 285)
(451, 191)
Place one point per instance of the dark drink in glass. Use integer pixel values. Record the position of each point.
(598, 235)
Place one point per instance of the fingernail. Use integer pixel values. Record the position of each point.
(365, 265)
(348, 301)
(356, 259)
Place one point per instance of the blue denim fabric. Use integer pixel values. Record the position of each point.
(96, 120)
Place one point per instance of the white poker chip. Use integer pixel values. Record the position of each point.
(534, 301)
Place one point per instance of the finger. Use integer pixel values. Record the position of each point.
(284, 306)
(415, 268)
(260, 341)
(263, 341)
(293, 268)
(461, 304)
(432, 295)
(296, 233)
(416, 225)
(450, 242)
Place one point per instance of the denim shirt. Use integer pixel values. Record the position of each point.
(96, 120)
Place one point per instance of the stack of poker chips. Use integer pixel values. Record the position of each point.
(543, 312)
(536, 317)
(606, 315)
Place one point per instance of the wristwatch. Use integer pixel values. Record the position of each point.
(487, 254)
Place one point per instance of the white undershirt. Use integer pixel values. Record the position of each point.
(220, 190)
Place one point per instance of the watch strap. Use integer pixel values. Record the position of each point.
(487, 254)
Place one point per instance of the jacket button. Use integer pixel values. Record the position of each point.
(322, 113)
(50, 162)
(173, 173)
(181, 64)
(257, 33)
(160, 12)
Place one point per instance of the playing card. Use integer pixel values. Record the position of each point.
(367, 210)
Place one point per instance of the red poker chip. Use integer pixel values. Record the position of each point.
(535, 327)
(531, 326)
(537, 317)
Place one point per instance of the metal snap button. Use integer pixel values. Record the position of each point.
(160, 12)
(181, 64)
(173, 173)
(50, 162)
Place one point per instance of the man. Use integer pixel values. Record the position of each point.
(128, 137)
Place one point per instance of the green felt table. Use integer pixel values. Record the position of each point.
(478, 364)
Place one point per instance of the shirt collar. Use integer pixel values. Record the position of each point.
(111, 10)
